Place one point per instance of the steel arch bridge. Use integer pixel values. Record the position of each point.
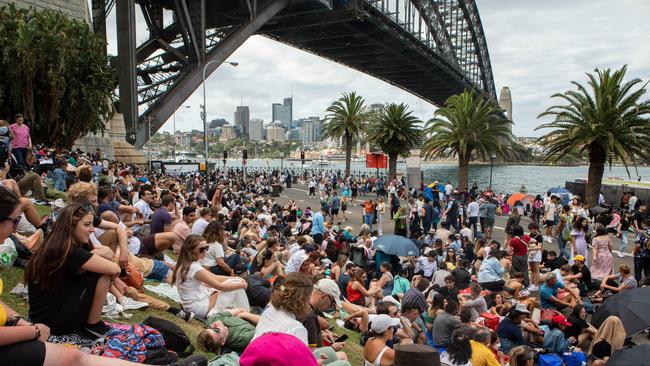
(430, 48)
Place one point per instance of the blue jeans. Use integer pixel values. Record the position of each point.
(367, 219)
(562, 245)
(623, 242)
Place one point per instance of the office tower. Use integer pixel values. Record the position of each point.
(275, 132)
(242, 119)
(228, 133)
(283, 112)
(256, 129)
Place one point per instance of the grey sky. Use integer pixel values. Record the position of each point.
(536, 49)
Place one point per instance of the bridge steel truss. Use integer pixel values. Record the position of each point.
(431, 48)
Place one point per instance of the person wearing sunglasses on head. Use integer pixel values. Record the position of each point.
(201, 291)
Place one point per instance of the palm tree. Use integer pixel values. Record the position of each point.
(395, 131)
(467, 125)
(606, 122)
(346, 118)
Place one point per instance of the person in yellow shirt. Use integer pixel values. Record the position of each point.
(481, 354)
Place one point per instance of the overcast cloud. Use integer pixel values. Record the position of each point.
(536, 49)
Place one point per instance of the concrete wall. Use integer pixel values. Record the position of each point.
(74, 8)
(613, 194)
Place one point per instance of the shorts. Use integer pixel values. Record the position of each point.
(489, 222)
(159, 271)
(327, 351)
(335, 211)
(148, 246)
(549, 223)
(29, 353)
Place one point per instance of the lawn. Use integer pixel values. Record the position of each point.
(13, 276)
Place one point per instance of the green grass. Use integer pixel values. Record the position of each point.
(12, 276)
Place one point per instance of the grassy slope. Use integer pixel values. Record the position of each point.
(13, 276)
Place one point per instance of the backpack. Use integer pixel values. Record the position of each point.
(568, 227)
(175, 338)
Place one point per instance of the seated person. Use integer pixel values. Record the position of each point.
(232, 329)
(580, 329)
(220, 258)
(514, 290)
(426, 265)
(201, 291)
(615, 283)
(449, 291)
(444, 324)
(609, 338)
(462, 275)
(552, 261)
(580, 274)
(554, 338)
(68, 280)
(550, 299)
(475, 302)
(376, 351)
(259, 291)
(510, 334)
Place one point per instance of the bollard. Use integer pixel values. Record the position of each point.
(416, 354)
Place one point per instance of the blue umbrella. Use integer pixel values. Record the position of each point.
(563, 193)
(396, 245)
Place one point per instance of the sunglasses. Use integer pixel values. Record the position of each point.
(87, 207)
(203, 249)
(15, 221)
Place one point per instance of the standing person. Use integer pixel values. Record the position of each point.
(427, 215)
(335, 206)
(394, 204)
(563, 231)
(641, 248)
(535, 255)
(490, 217)
(579, 239)
(318, 226)
(602, 263)
(368, 211)
(22, 141)
(473, 214)
(452, 213)
(381, 211)
(538, 209)
(549, 218)
(621, 229)
(312, 187)
(519, 245)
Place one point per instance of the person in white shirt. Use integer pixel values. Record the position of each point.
(472, 214)
(290, 300)
(549, 218)
(201, 291)
(427, 265)
(147, 197)
(202, 222)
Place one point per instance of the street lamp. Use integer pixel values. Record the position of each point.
(174, 132)
(204, 114)
(492, 157)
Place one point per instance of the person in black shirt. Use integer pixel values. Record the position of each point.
(450, 292)
(462, 275)
(580, 329)
(553, 262)
(580, 273)
(68, 280)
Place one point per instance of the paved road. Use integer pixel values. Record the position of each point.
(300, 194)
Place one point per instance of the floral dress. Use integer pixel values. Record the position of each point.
(603, 264)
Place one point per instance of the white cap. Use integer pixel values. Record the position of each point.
(330, 288)
(382, 322)
(391, 300)
(521, 308)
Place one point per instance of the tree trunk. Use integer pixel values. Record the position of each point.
(463, 172)
(597, 158)
(348, 153)
(392, 166)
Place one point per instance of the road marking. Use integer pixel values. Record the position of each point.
(299, 200)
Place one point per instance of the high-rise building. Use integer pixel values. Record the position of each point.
(228, 133)
(275, 132)
(242, 119)
(310, 130)
(283, 112)
(256, 129)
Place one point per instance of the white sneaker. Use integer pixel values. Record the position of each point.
(533, 288)
(130, 304)
(109, 304)
(621, 255)
(549, 239)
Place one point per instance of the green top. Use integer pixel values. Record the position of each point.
(400, 285)
(241, 331)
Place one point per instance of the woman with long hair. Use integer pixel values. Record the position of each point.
(339, 267)
(289, 301)
(217, 259)
(357, 292)
(602, 264)
(201, 291)
(579, 239)
(270, 266)
(459, 350)
(68, 281)
(521, 356)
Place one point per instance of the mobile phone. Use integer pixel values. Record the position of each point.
(342, 338)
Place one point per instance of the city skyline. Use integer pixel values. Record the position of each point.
(535, 50)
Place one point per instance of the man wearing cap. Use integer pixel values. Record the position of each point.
(326, 295)
(510, 334)
(580, 273)
(554, 335)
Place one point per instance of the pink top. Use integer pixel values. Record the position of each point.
(21, 136)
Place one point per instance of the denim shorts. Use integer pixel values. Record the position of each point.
(159, 271)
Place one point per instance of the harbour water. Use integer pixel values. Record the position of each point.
(505, 178)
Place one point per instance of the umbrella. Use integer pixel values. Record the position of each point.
(637, 355)
(597, 210)
(514, 198)
(396, 245)
(631, 306)
(558, 190)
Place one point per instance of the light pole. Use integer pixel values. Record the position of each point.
(204, 114)
(492, 157)
(174, 132)
(281, 159)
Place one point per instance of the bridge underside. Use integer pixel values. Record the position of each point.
(433, 48)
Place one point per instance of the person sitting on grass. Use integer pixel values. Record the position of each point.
(232, 329)
(615, 283)
(201, 291)
(376, 352)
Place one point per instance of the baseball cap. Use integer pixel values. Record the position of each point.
(579, 258)
(330, 288)
(561, 320)
(521, 308)
(382, 322)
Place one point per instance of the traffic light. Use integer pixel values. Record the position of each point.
(245, 154)
(225, 154)
(302, 155)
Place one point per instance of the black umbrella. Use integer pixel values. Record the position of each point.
(597, 210)
(637, 355)
(631, 306)
(396, 245)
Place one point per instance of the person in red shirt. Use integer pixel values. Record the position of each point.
(368, 212)
(519, 247)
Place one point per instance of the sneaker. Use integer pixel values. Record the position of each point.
(549, 239)
(621, 255)
(97, 330)
(42, 202)
(194, 360)
(109, 304)
(185, 315)
(533, 288)
(130, 304)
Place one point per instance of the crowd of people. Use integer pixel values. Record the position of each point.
(266, 276)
